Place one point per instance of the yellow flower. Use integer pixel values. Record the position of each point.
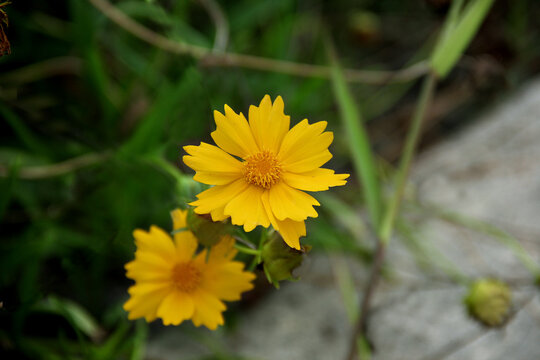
(174, 284)
(261, 169)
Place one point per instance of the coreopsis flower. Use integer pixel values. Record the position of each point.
(261, 169)
(174, 283)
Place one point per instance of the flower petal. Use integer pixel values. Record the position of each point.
(290, 203)
(247, 209)
(316, 180)
(208, 310)
(227, 280)
(290, 230)
(213, 166)
(268, 123)
(176, 307)
(155, 241)
(219, 214)
(233, 133)
(305, 147)
(179, 218)
(223, 251)
(145, 300)
(148, 267)
(185, 242)
(218, 196)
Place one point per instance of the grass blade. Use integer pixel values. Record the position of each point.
(454, 44)
(358, 140)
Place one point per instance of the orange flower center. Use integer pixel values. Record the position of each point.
(186, 277)
(262, 169)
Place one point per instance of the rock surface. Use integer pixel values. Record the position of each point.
(489, 172)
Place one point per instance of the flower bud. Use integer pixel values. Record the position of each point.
(207, 232)
(279, 259)
(489, 301)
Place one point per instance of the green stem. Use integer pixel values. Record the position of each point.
(246, 250)
(387, 224)
(257, 259)
(485, 228)
(179, 230)
(429, 255)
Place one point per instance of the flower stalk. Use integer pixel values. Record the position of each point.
(246, 250)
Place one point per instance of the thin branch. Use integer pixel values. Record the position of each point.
(245, 242)
(220, 21)
(386, 227)
(210, 58)
(51, 67)
(360, 328)
(61, 168)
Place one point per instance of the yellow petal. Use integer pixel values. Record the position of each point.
(148, 288)
(150, 260)
(290, 203)
(186, 244)
(208, 310)
(218, 196)
(156, 241)
(228, 280)
(211, 178)
(213, 166)
(309, 163)
(148, 267)
(247, 209)
(305, 147)
(218, 214)
(223, 251)
(179, 218)
(175, 308)
(233, 133)
(217, 255)
(315, 180)
(268, 123)
(290, 230)
(145, 300)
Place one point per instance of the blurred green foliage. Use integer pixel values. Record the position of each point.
(77, 84)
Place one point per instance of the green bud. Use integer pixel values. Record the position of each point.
(207, 232)
(489, 301)
(279, 259)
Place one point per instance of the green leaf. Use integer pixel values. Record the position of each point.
(456, 40)
(359, 146)
(76, 315)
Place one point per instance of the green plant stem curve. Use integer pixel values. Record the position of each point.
(387, 223)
